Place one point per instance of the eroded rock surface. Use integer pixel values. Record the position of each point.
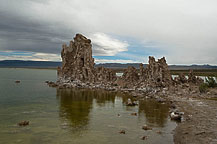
(157, 72)
(105, 74)
(78, 71)
(78, 64)
(193, 79)
(77, 60)
(130, 74)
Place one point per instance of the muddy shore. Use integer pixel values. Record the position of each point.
(200, 122)
(200, 118)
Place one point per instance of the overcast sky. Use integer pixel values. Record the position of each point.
(184, 31)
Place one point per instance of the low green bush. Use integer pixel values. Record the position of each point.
(203, 88)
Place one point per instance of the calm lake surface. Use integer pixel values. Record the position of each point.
(74, 116)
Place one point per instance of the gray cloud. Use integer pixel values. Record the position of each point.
(186, 29)
(104, 45)
(24, 31)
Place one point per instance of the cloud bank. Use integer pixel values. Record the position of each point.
(185, 31)
(15, 55)
(104, 45)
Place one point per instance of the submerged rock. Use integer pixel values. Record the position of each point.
(144, 137)
(17, 81)
(23, 123)
(145, 127)
(131, 103)
(134, 114)
(159, 132)
(122, 132)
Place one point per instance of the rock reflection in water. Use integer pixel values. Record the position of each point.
(75, 105)
(155, 113)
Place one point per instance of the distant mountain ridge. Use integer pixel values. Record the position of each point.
(51, 64)
(29, 64)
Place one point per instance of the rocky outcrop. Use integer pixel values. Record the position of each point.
(157, 72)
(23, 123)
(142, 73)
(180, 79)
(78, 71)
(130, 75)
(77, 60)
(193, 79)
(78, 64)
(190, 79)
(105, 75)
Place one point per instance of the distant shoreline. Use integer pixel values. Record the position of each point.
(198, 72)
(50, 68)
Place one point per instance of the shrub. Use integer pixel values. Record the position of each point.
(211, 82)
(203, 87)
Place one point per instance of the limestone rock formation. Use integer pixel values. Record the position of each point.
(78, 70)
(105, 74)
(180, 79)
(78, 63)
(77, 60)
(157, 72)
(193, 79)
(130, 75)
(142, 73)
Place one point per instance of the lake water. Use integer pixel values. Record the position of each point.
(74, 116)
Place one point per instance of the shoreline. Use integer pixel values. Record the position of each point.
(195, 126)
(199, 122)
(197, 72)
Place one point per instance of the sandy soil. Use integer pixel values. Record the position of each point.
(199, 125)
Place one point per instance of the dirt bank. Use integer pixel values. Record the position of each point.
(199, 125)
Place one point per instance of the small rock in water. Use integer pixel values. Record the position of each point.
(23, 123)
(159, 132)
(134, 114)
(145, 127)
(144, 137)
(177, 116)
(130, 103)
(122, 132)
(17, 81)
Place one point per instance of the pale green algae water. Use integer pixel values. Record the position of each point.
(74, 116)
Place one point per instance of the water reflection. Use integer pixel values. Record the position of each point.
(155, 113)
(76, 106)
